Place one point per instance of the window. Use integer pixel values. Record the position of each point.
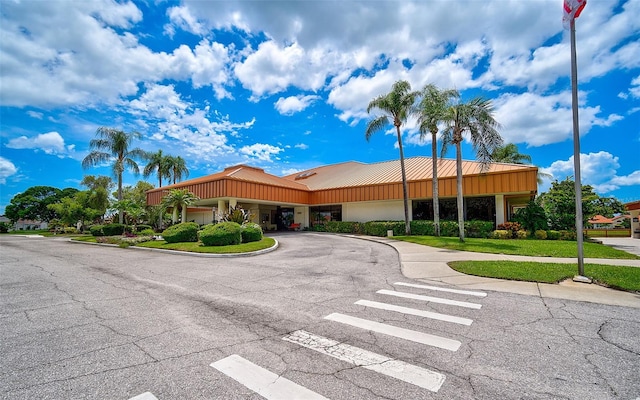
(475, 208)
(322, 214)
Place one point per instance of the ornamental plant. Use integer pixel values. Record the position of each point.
(251, 233)
(184, 232)
(221, 234)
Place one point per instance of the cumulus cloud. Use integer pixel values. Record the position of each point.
(50, 143)
(301, 146)
(599, 170)
(294, 104)
(262, 152)
(7, 168)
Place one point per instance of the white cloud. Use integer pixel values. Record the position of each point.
(294, 104)
(50, 143)
(35, 114)
(262, 152)
(182, 18)
(301, 146)
(596, 169)
(7, 168)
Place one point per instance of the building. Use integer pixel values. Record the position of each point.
(354, 191)
(634, 211)
(602, 222)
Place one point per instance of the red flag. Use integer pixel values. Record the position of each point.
(572, 10)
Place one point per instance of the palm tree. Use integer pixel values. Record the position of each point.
(398, 105)
(432, 110)
(509, 154)
(158, 163)
(475, 118)
(179, 198)
(113, 145)
(177, 168)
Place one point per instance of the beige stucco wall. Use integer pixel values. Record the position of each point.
(200, 217)
(635, 225)
(374, 211)
(301, 216)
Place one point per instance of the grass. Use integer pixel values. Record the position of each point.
(522, 247)
(197, 247)
(618, 277)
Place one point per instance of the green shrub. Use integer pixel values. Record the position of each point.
(113, 229)
(501, 234)
(449, 228)
(142, 227)
(532, 217)
(342, 227)
(318, 228)
(184, 232)
(221, 234)
(568, 235)
(4, 227)
(147, 232)
(251, 233)
(478, 229)
(553, 235)
(522, 234)
(97, 230)
(70, 229)
(540, 234)
(422, 228)
(380, 228)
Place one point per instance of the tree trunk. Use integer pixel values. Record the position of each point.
(459, 187)
(405, 191)
(184, 213)
(174, 215)
(120, 213)
(436, 201)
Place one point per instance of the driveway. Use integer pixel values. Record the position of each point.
(324, 316)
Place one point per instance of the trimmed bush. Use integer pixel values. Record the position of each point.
(501, 234)
(540, 234)
(522, 234)
(70, 229)
(568, 235)
(343, 227)
(512, 227)
(142, 227)
(251, 233)
(147, 232)
(553, 235)
(380, 228)
(449, 228)
(422, 228)
(113, 229)
(97, 230)
(184, 232)
(478, 229)
(221, 234)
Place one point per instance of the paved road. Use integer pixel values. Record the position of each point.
(88, 322)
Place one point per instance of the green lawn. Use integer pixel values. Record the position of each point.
(197, 247)
(523, 247)
(625, 278)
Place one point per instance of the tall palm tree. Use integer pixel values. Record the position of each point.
(158, 163)
(432, 111)
(177, 168)
(179, 198)
(509, 154)
(398, 105)
(112, 145)
(476, 119)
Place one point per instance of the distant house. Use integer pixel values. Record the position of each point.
(354, 191)
(27, 225)
(601, 222)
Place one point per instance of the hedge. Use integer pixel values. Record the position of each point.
(184, 232)
(251, 233)
(221, 234)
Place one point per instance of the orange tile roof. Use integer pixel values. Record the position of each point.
(599, 219)
(350, 174)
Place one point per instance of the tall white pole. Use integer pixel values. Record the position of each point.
(576, 154)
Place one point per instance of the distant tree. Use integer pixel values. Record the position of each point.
(179, 199)
(138, 193)
(159, 164)
(77, 208)
(474, 118)
(33, 203)
(397, 105)
(431, 112)
(112, 145)
(560, 204)
(177, 168)
(98, 188)
(607, 206)
(509, 154)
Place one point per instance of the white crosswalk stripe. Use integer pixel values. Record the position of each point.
(430, 299)
(262, 381)
(401, 370)
(416, 312)
(442, 289)
(144, 396)
(407, 334)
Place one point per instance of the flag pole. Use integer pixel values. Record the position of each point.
(576, 156)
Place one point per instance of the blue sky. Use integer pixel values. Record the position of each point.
(284, 85)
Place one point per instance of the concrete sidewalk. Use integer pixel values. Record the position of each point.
(429, 264)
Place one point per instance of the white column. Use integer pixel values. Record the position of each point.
(499, 209)
(233, 203)
(222, 209)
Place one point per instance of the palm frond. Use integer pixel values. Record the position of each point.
(376, 125)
